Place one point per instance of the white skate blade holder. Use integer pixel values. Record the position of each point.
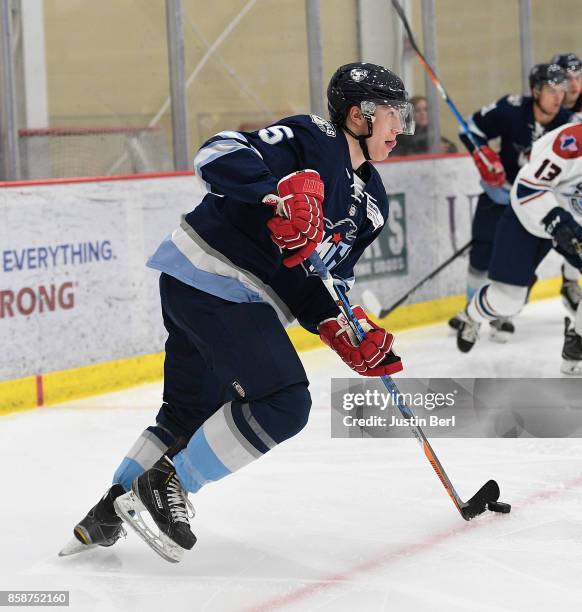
(129, 508)
(499, 336)
(571, 368)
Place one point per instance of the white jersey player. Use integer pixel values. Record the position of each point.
(545, 212)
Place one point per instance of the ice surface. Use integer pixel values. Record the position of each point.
(318, 524)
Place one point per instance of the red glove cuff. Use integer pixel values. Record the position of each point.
(489, 165)
(299, 221)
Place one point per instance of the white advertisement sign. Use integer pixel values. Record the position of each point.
(74, 288)
(432, 203)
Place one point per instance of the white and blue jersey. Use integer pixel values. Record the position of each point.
(512, 120)
(223, 246)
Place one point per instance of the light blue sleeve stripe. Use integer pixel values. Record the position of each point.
(169, 259)
(217, 149)
(197, 464)
(499, 195)
(473, 128)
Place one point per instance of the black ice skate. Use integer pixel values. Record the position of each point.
(467, 334)
(501, 330)
(572, 351)
(456, 321)
(159, 492)
(101, 526)
(571, 294)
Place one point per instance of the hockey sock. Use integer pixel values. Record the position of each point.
(578, 320)
(147, 449)
(238, 433)
(569, 272)
(475, 278)
(496, 300)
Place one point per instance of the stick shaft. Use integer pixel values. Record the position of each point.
(434, 78)
(341, 300)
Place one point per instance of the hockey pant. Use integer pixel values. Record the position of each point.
(233, 386)
(516, 255)
(484, 225)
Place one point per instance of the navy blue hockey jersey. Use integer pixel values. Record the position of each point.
(511, 119)
(223, 246)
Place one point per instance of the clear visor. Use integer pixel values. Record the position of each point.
(555, 85)
(401, 111)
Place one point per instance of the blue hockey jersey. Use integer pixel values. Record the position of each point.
(512, 120)
(223, 246)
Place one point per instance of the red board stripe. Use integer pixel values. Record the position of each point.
(95, 179)
(39, 390)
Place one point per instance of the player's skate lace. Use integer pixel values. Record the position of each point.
(181, 507)
(470, 332)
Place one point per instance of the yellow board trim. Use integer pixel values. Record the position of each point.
(57, 387)
(101, 378)
(18, 394)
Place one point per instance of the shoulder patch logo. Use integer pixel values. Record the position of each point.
(514, 100)
(324, 125)
(568, 143)
(358, 74)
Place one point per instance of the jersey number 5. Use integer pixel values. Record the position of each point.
(552, 171)
(275, 134)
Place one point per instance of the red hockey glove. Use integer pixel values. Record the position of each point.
(373, 356)
(493, 173)
(298, 223)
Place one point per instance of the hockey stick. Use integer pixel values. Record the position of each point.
(372, 303)
(433, 77)
(489, 492)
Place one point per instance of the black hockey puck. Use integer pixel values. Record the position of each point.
(497, 506)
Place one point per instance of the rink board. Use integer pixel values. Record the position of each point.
(79, 309)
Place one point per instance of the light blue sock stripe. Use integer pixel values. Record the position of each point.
(470, 293)
(125, 474)
(197, 464)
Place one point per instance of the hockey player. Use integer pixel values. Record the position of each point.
(571, 292)
(571, 63)
(233, 272)
(518, 121)
(545, 211)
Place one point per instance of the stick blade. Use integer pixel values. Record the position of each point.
(489, 492)
(371, 302)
